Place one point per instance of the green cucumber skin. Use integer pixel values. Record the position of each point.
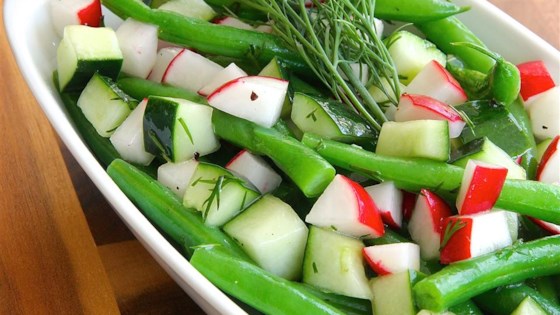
(159, 125)
(463, 280)
(140, 89)
(165, 210)
(240, 279)
(525, 197)
(504, 300)
(85, 70)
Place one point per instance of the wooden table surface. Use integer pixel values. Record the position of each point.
(62, 248)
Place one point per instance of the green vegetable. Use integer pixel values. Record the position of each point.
(503, 300)
(415, 11)
(531, 198)
(254, 286)
(462, 280)
(309, 171)
(206, 37)
(140, 89)
(340, 34)
(164, 209)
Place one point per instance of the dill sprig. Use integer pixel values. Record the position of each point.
(331, 37)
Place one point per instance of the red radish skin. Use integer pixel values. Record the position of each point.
(375, 265)
(388, 219)
(535, 78)
(550, 151)
(235, 157)
(409, 199)
(368, 213)
(440, 209)
(164, 77)
(91, 15)
(433, 105)
(480, 188)
(549, 227)
(458, 245)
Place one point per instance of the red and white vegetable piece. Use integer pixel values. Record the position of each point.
(231, 72)
(388, 199)
(425, 225)
(255, 98)
(233, 22)
(75, 12)
(535, 78)
(347, 208)
(139, 43)
(128, 138)
(418, 107)
(544, 110)
(256, 170)
(470, 236)
(393, 258)
(481, 186)
(409, 200)
(434, 81)
(549, 166)
(547, 226)
(163, 58)
(190, 71)
(176, 176)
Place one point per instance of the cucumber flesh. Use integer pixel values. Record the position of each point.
(191, 8)
(84, 51)
(392, 294)
(104, 105)
(528, 307)
(273, 235)
(334, 262)
(418, 138)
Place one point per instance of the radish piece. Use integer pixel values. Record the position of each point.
(233, 22)
(535, 78)
(347, 208)
(547, 226)
(393, 258)
(128, 138)
(138, 42)
(163, 58)
(434, 81)
(75, 12)
(549, 166)
(190, 71)
(265, 28)
(468, 236)
(231, 72)
(409, 200)
(544, 110)
(388, 199)
(255, 98)
(481, 186)
(177, 176)
(255, 169)
(425, 225)
(418, 107)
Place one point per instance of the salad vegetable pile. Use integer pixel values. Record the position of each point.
(326, 157)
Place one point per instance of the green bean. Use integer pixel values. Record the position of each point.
(463, 280)
(254, 286)
(526, 197)
(466, 308)
(206, 37)
(416, 11)
(546, 287)
(503, 300)
(308, 170)
(164, 209)
(140, 89)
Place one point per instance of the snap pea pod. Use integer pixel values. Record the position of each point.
(526, 197)
(161, 206)
(463, 280)
(206, 37)
(416, 11)
(140, 89)
(256, 287)
(307, 169)
(503, 300)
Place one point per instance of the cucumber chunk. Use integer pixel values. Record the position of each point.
(417, 138)
(392, 294)
(217, 193)
(104, 105)
(329, 119)
(528, 307)
(192, 8)
(273, 235)
(484, 150)
(334, 262)
(84, 51)
(178, 129)
(411, 53)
